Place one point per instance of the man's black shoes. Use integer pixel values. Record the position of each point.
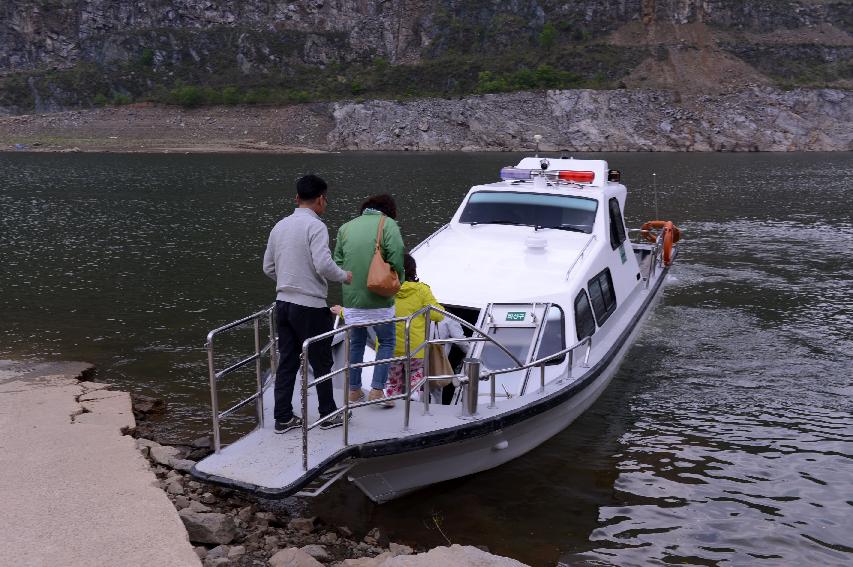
(285, 426)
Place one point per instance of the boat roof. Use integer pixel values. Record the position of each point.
(514, 263)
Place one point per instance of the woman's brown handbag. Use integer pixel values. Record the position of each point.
(439, 365)
(381, 277)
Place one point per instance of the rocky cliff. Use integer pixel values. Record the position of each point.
(757, 119)
(431, 74)
(61, 53)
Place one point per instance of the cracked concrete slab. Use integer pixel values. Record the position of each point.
(75, 491)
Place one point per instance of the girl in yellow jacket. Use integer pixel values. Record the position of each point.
(413, 296)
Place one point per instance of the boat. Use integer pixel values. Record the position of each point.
(551, 290)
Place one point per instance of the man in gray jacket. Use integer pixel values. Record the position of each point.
(298, 259)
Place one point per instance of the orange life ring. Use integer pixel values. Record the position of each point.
(670, 234)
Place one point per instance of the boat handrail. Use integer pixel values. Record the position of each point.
(478, 335)
(581, 254)
(261, 382)
(425, 242)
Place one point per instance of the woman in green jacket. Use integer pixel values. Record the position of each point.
(354, 249)
(413, 296)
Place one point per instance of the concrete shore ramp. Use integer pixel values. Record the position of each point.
(75, 489)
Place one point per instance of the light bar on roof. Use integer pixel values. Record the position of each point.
(576, 176)
(510, 172)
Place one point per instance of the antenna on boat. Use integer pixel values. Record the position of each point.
(655, 189)
(538, 138)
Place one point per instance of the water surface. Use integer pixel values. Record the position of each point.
(726, 437)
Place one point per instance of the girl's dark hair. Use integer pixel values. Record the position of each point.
(410, 268)
(382, 203)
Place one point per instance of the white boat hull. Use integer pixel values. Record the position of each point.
(389, 477)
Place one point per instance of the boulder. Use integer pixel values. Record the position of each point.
(292, 557)
(208, 527)
(397, 549)
(184, 465)
(236, 551)
(163, 454)
(218, 551)
(144, 406)
(304, 525)
(318, 552)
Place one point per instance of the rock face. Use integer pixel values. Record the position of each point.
(758, 119)
(123, 50)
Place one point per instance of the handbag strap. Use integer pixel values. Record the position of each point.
(379, 232)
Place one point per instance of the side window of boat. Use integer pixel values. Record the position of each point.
(584, 323)
(617, 225)
(602, 295)
(553, 335)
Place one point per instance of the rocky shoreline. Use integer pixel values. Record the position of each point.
(229, 528)
(755, 118)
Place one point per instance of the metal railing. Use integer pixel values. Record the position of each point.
(408, 388)
(465, 379)
(655, 248)
(260, 351)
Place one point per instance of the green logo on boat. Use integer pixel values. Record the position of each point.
(515, 316)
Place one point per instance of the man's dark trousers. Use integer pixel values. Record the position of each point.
(295, 323)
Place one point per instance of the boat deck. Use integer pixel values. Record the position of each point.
(268, 462)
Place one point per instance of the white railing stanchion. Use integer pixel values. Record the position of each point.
(347, 388)
(214, 398)
(304, 366)
(258, 374)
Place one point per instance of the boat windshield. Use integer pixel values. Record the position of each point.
(564, 212)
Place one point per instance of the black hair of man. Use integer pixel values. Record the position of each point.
(309, 187)
(383, 203)
(410, 267)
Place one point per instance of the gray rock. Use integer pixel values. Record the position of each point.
(218, 551)
(318, 552)
(184, 465)
(304, 525)
(292, 557)
(246, 513)
(181, 502)
(163, 454)
(201, 551)
(397, 549)
(208, 498)
(175, 487)
(210, 527)
(218, 562)
(196, 506)
(236, 551)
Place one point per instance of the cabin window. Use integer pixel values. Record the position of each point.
(584, 323)
(516, 340)
(553, 335)
(602, 295)
(617, 225)
(564, 212)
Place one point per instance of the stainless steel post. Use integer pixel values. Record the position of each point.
(214, 398)
(541, 378)
(346, 387)
(492, 381)
(425, 351)
(471, 372)
(571, 364)
(304, 407)
(258, 375)
(407, 375)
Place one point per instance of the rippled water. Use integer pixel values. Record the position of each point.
(726, 437)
